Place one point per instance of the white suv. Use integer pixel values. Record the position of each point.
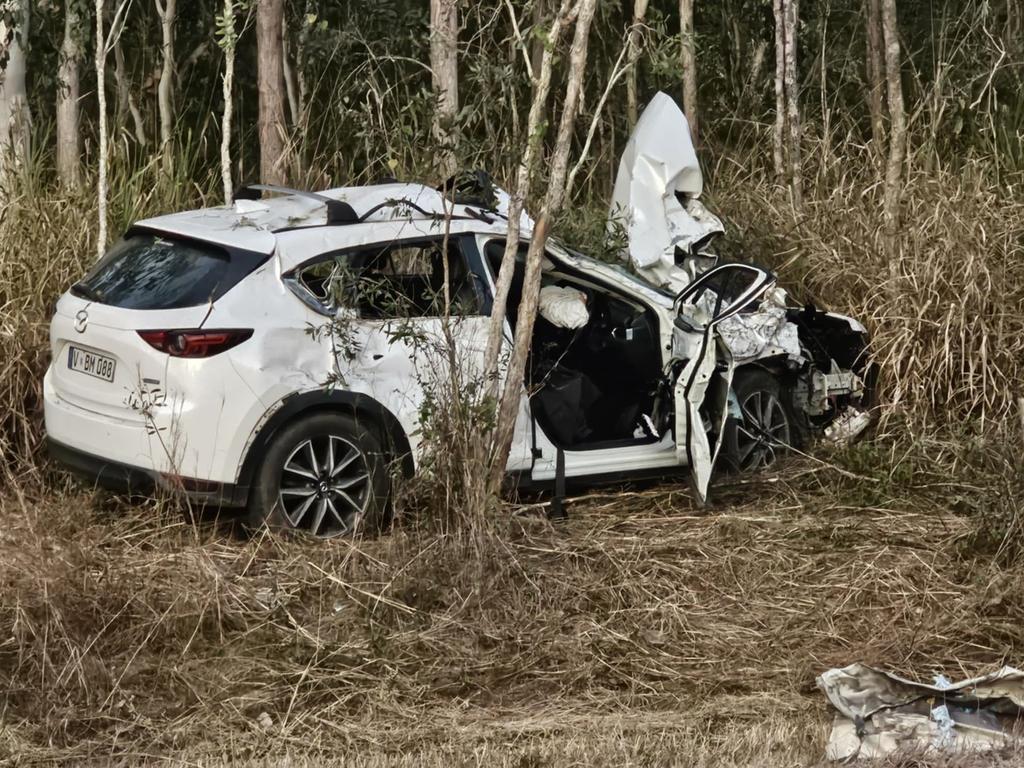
(275, 354)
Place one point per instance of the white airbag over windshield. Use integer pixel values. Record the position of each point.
(658, 162)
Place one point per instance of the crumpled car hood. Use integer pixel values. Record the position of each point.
(656, 191)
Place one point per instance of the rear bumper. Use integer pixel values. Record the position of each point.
(125, 478)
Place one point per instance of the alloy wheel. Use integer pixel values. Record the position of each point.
(763, 432)
(324, 486)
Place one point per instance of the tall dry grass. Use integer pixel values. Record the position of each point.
(946, 319)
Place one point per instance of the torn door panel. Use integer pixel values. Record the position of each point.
(655, 195)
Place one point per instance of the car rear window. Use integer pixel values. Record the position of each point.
(150, 271)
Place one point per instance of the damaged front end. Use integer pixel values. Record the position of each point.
(821, 380)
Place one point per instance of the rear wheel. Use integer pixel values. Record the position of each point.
(767, 427)
(324, 475)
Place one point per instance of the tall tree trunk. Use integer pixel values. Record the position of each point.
(229, 38)
(15, 116)
(512, 395)
(779, 132)
(791, 18)
(787, 133)
(273, 161)
(633, 47)
(444, 68)
(68, 139)
(521, 192)
(101, 97)
(898, 130)
(875, 72)
(168, 12)
(540, 12)
(689, 63)
(126, 103)
(290, 85)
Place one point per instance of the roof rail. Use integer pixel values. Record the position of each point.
(338, 211)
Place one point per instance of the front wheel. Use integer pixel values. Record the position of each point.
(766, 428)
(324, 475)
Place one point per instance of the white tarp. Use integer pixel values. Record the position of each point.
(879, 713)
(658, 162)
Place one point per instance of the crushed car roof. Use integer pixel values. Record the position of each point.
(255, 225)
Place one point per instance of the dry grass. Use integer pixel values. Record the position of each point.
(947, 319)
(642, 632)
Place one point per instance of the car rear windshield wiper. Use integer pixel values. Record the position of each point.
(80, 289)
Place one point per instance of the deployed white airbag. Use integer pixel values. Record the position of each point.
(563, 307)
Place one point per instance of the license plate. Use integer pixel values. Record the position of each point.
(100, 366)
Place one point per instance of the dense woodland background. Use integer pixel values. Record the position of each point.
(871, 151)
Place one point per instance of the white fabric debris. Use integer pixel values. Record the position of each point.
(879, 713)
(250, 206)
(563, 306)
(659, 161)
(844, 429)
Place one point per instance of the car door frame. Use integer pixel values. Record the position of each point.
(537, 453)
(695, 377)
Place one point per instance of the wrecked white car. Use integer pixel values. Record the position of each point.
(275, 353)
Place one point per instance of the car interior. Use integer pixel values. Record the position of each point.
(594, 386)
(404, 280)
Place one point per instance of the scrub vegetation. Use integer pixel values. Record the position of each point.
(643, 630)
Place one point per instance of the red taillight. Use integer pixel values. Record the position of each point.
(196, 343)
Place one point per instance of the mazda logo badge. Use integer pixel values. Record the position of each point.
(81, 320)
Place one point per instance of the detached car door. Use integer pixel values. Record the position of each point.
(702, 386)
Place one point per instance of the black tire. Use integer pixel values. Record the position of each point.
(294, 489)
(768, 427)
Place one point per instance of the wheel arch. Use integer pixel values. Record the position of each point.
(356, 404)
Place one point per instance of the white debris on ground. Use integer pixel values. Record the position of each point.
(879, 713)
(847, 426)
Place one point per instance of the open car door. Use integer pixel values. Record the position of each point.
(702, 387)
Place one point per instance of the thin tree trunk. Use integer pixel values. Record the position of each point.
(875, 73)
(68, 139)
(228, 41)
(540, 12)
(779, 133)
(290, 86)
(444, 38)
(898, 130)
(633, 47)
(273, 160)
(125, 99)
(101, 97)
(689, 63)
(512, 395)
(15, 116)
(791, 17)
(520, 193)
(167, 12)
